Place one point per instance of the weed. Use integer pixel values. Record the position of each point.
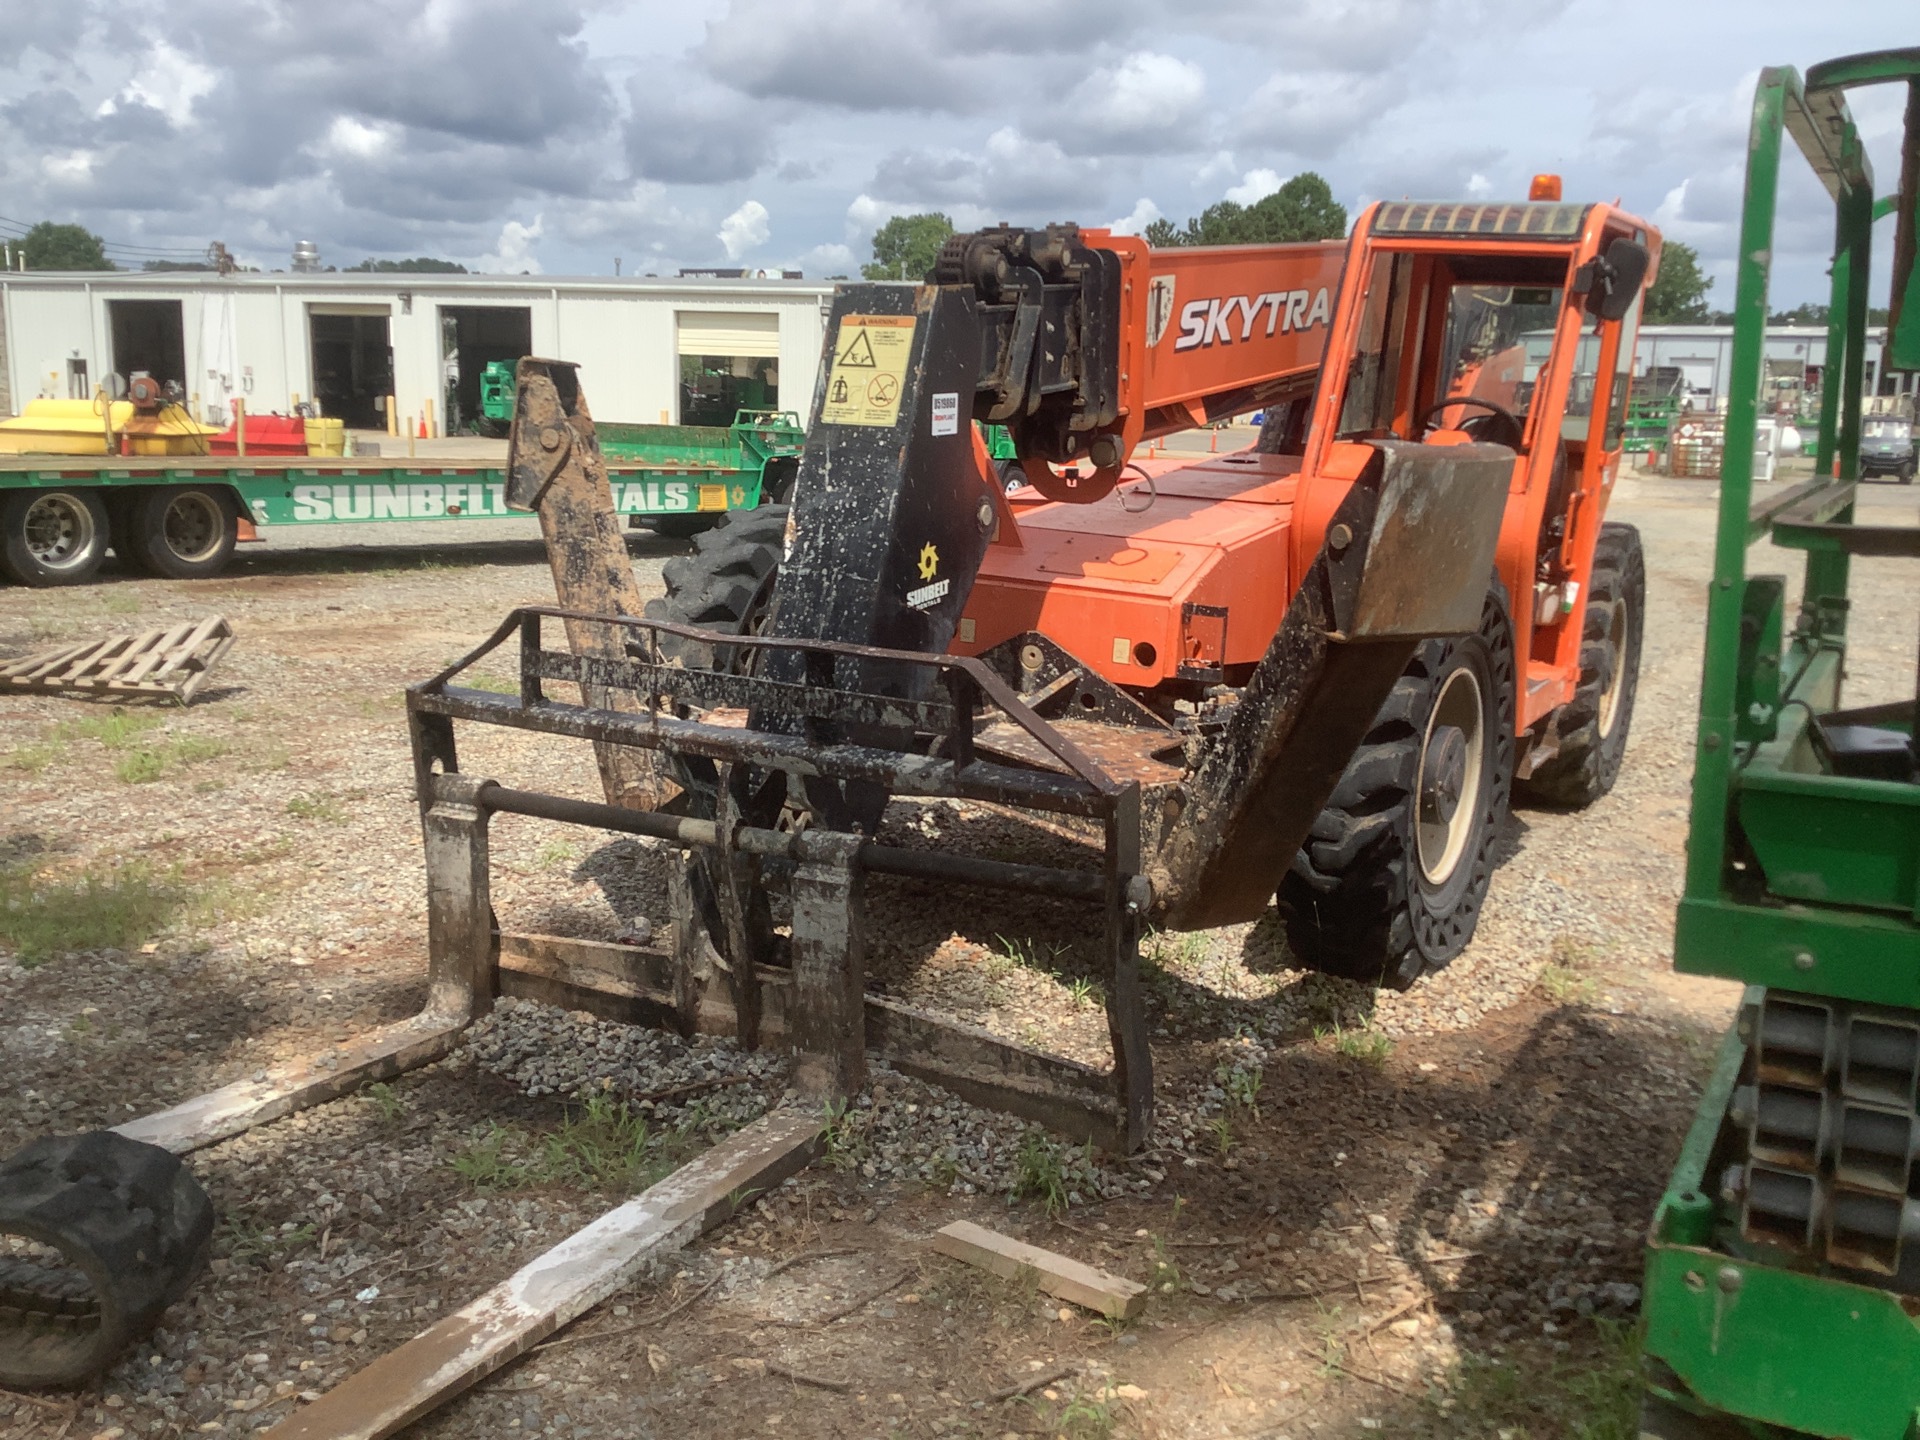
(115, 730)
(1565, 978)
(843, 1136)
(35, 758)
(140, 767)
(1595, 1398)
(1166, 1276)
(1039, 1175)
(1084, 1417)
(558, 855)
(492, 684)
(119, 908)
(314, 806)
(601, 1146)
(192, 749)
(1242, 1084)
(248, 1243)
(1331, 1335)
(1223, 1136)
(1085, 992)
(1361, 1042)
(386, 1101)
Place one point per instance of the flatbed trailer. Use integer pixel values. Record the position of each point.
(181, 516)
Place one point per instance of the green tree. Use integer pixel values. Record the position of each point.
(906, 246)
(1301, 209)
(420, 265)
(1679, 296)
(63, 247)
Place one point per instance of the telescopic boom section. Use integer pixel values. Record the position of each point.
(1072, 323)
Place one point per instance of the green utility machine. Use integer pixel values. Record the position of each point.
(1782, 1291)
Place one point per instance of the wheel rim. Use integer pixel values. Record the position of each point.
(192, 527)
(1452, 765)
(59, 532)
(1610, 697)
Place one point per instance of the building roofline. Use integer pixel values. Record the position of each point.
(414, 283)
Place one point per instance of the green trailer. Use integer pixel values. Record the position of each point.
(1783, 1264)
(181, 516)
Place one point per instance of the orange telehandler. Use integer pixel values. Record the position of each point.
(1309, 674)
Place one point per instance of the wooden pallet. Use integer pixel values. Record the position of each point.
(170, 663)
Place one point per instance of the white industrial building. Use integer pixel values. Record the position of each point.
(660, 350)
(1703, 354)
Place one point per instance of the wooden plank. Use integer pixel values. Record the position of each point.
(564, 1283)
(77, 663)
(32, 665)
(183, 652)
(199, 678)
(1058, 1275)
(155, 653)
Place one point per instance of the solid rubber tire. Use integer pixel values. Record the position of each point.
(1589, 762)
(127, 1215)
(146, 539)
(1355, 902)
(19, 563)
(718, 586)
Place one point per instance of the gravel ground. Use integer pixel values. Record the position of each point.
(1322, 1157)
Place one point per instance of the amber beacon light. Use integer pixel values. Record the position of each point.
(1544, 187)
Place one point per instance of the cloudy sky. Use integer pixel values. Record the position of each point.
(554, 135)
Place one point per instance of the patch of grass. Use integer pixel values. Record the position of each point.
(122, 602)
(35, 758)
(1567, 977)
(1039, 1175)
(603, 1145)
(1085, 992)
(140, 767)
(115, 908)
(843, 1136)
(558, 855)
(492, 684)
(261, 1245)
(315, 806)
(1594, 1398)
(1359, 1042)
(386, 1100)
(1221, 1128)
(116, 729)
(1079, 1417)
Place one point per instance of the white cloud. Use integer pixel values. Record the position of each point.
(1146, 100)
(351, 137)
(1254, 186)
(1143, 214)
(514, 251)
(71, 167)
(170, 82)
(745, 229)
(1479, 187)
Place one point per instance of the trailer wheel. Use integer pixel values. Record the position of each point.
(52, 537)
(1594, 724)
(1012, 476)
(183, 532)
(725, 584)
(1391, 880)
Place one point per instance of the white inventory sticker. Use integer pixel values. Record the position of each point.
(946, 414)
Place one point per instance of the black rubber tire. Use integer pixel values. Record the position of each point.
(682, 527)
(1358, 903)
(1593, 735)
(131, 1228)
(727, 582)
(52, 537)
(182, 532)
(1012, 476)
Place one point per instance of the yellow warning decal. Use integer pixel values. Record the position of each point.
(869, 371)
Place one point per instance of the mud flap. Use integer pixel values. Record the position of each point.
(1407, 557)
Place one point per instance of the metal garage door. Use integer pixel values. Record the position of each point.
(729, 332)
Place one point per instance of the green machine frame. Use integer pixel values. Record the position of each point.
(1782, 1290)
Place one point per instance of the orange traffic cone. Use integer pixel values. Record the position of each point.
(423, 427)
